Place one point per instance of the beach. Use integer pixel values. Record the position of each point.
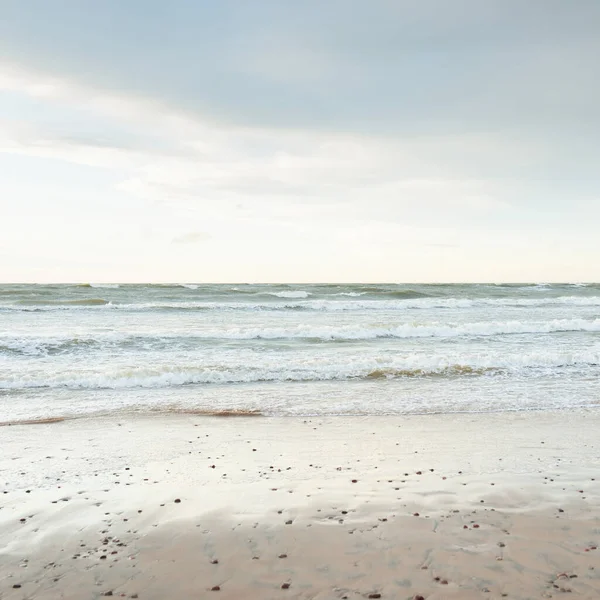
(494, 505)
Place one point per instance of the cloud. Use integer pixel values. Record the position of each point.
(195, 161)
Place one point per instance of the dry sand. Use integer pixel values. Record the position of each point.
(176, 507)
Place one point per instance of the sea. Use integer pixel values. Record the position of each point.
(300, 350)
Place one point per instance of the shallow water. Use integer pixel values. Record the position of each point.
(68, 350)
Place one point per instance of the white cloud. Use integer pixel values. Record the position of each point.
(303, 205)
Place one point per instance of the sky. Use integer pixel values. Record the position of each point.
(286, 141)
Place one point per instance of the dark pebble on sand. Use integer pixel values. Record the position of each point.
(283, 556)
(419, 597)
(108, 593)
(215, 588)
(377, 595)
(16, 586)
(289, 522)
(355, 481)
(214, 562)
(415, 514)
(177, 500)
(285, 586)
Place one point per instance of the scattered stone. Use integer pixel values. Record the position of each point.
(177, 500)
(285, 586)
(375, 595)
(214, 562)
(283, 556)
(215, 588)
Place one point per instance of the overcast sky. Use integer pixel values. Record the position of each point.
(279, 140)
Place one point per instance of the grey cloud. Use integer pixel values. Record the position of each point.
(384, 66)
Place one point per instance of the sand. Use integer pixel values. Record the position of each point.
(176, 507)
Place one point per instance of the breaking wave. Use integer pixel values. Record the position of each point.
(412, 366)
(33, 345)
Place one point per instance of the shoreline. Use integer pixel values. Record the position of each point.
(232, 412)
(351, 487)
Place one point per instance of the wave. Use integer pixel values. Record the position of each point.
(414, 366)
(189, 286)
(32, 345)
(301, 304)
(61, 303)
(290, 294)
(110, 286)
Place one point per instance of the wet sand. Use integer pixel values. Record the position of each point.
(189, 506)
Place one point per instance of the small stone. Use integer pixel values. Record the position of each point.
(418, 597)
(415, 514)
(375, 595)
(289, 522)
(283, 556)
(214, 562)
(177, 500)
(355, 481)
(109, 593)
(16, 586)
(285, 586)
(215, 588)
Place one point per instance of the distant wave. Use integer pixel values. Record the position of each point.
(189, 286)
(302, 304)
(110, 286)
(416, 366)
(25, 304)
(290, 294)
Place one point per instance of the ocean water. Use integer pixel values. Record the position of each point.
(74, 350)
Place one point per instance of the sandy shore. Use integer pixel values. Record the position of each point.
(180, 507)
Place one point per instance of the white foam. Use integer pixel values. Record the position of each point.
(291, 294)
(189, 286)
